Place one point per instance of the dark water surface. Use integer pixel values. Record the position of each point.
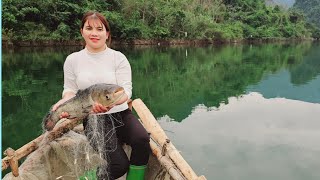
(234, 111)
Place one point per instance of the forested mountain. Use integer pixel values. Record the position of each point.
(152, 19)
(311, 8)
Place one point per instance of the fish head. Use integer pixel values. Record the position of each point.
(106, 94)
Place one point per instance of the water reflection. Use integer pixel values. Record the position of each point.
(279, 85)
(212, 74)
(251, 138)
(308, 70)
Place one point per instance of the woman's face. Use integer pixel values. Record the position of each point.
(95, 35)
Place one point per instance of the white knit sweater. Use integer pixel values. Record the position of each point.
(83, 69)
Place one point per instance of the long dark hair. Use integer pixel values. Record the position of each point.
(96, 15)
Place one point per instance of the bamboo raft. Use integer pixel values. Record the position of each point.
(165, 162)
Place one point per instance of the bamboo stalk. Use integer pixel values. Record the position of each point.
(151, 124)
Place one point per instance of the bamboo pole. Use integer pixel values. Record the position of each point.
(13, 162)
(56, 132)
(23, 151)
(151, 124)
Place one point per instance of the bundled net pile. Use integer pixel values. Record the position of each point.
(71, 155)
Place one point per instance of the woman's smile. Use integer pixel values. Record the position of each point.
(94, 39)
(95, 35)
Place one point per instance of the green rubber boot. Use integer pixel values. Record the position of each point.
(136, 172)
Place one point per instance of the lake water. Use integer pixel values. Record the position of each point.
(233, 111)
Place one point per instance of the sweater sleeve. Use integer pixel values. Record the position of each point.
(123, 74)
(69, 77)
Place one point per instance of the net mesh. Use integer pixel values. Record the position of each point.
(71, 155)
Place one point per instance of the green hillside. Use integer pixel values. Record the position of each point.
(153, 19)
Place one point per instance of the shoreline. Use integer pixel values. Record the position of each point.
(160, 42)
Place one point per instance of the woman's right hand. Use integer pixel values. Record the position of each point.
(65, 98)
(55, 107)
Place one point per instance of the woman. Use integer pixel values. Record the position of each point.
(98, 63)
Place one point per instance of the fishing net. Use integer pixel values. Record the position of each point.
(102, 137)
(71, 155)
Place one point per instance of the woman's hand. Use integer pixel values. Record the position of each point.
(55, 107)
(99, 108)
(65, 98)
(64, 115)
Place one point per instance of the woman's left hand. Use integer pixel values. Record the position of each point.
(99, 108)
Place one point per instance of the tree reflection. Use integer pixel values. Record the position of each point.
(170, 80)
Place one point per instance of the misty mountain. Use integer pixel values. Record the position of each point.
(284, 3)
(311, 8)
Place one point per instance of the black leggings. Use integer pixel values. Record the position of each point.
(131, 133)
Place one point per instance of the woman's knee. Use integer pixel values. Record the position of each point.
(142, 139)
(120, 168)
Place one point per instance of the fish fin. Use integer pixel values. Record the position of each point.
(86, 106)
(85, 111)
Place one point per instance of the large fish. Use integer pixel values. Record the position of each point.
(80, 105)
